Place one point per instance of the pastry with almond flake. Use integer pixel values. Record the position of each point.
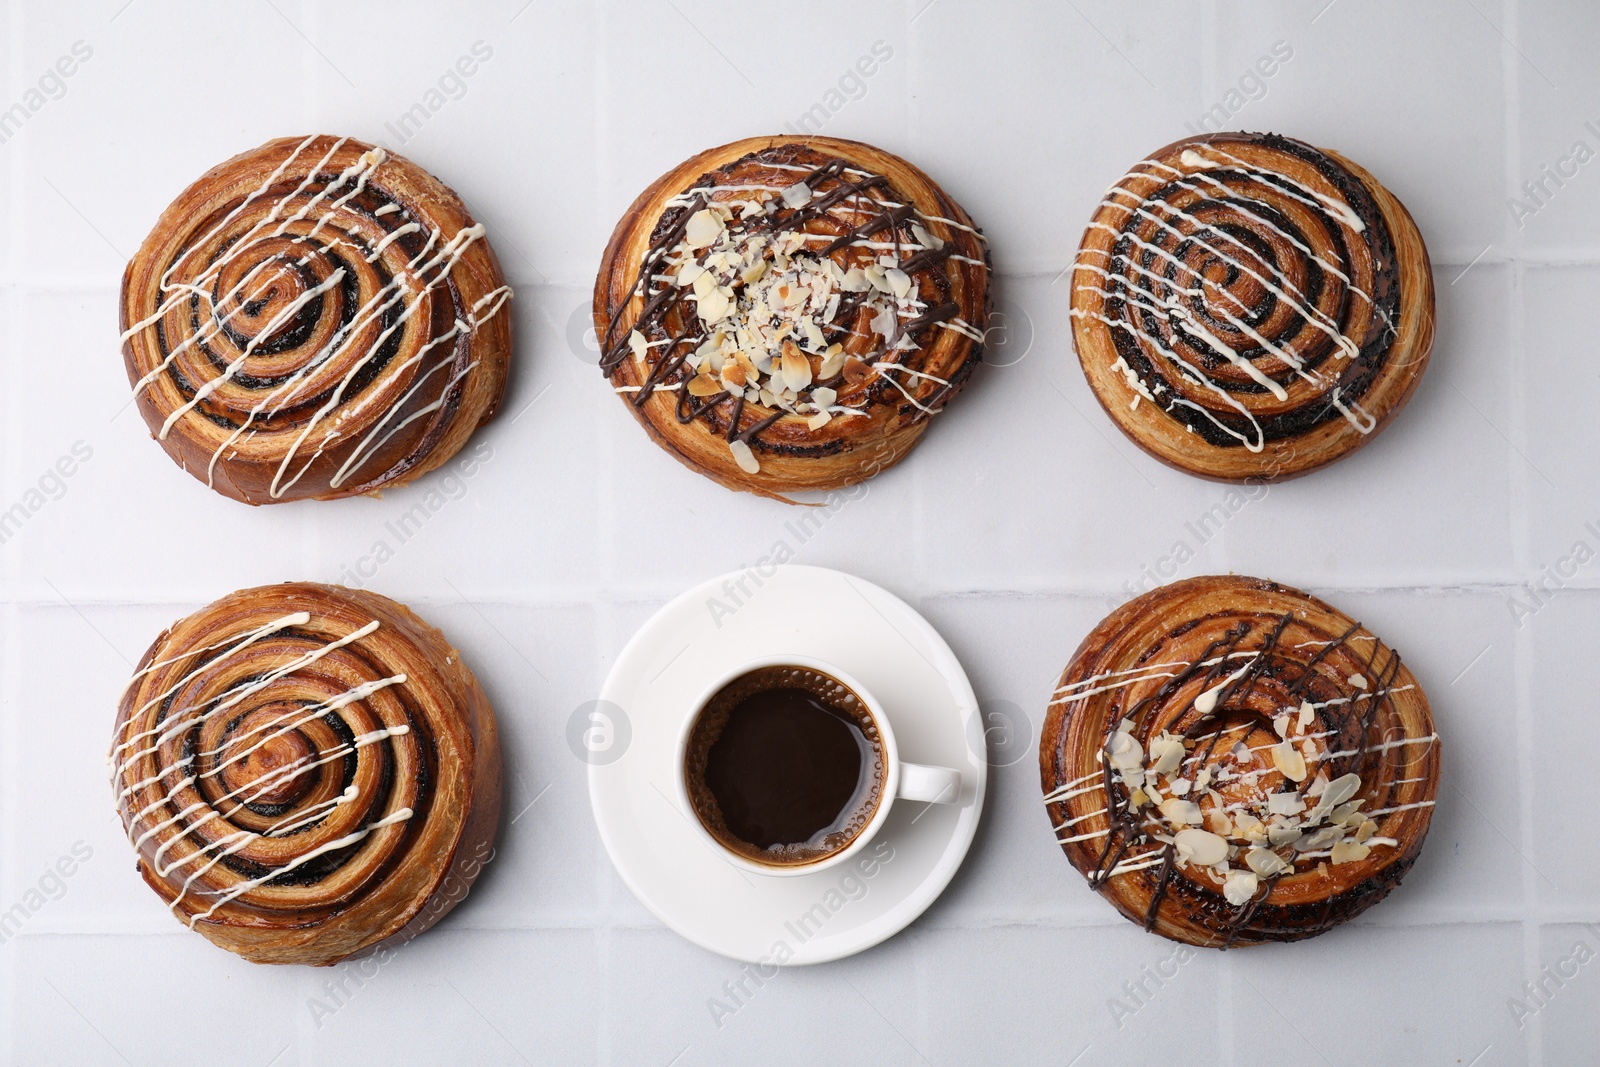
(1229, 761)
(788, 313)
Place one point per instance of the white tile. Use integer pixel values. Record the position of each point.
(1559, 435)
(1563, 675)
(1426, 993)
(1399, 89)
(502, 997)
(529, 477)
(128, 523)
(111, 999)
(1564, 998)
(1098, 994)
(1551, 205)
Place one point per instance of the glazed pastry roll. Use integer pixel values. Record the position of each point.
(788, 313)
(1229, 761)
(1246, 306)
(317, 318)
(306, 773)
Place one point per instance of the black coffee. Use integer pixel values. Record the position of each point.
(785, 765)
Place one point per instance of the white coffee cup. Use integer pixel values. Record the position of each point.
(902, 780)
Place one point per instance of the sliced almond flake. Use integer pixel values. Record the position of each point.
(1307, 714)
(704, 282)
(1340, 790)
(883, 322)
(1344, 813)
(733, 376)
(689, 272)
(819, 420)
(854, 281)
(1126, 752)
(1182, 812)
(1203, 779)
(796, 368)
(1239, 887)
(1359, 681)
(743, 455)
(637, 343)
(713, 306)
(797, 195)
(704, 385)
(899, 282)
(1249, 827)
(1318, 785)
(704, 227)
(1166, 754)
(833, 306)
(1280, 834)
(1217, 822)
(1349, 852)
(1290, 763)
(1138, 798)
(1266, 862)
(1180, 788)
(824, 397)
(1280, 724)
(1201, 847)
(814, 335)
(753, 273)
(1366, 830)
(1285, 803)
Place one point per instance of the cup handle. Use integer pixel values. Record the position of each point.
(935, 785)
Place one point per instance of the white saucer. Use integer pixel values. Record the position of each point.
(713, 628)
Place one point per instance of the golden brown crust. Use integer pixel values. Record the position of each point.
(1266, 653)
(315, 318)
(308, 773)
(1237, 241)
(952, 281)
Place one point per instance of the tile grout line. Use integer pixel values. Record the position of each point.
(10, 468)
(1521, 488)
(606, 515)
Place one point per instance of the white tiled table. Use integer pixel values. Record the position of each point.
(1020, 521)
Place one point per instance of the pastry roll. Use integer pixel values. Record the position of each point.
(1229, 761)
(316, 318)
(1246, 306)
(788, 313)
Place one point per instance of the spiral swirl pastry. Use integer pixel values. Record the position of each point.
(315, 318)
(1229, 762)
(787, 313)
(1247, 306)
(306, 773)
